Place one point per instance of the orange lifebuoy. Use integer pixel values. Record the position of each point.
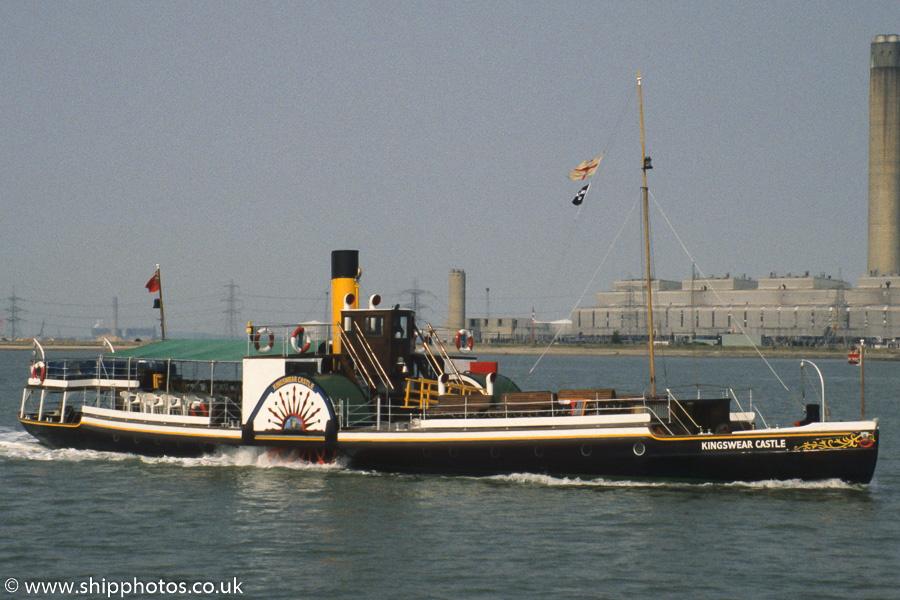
(39, 371)
(298, 336)
(198, 409)
(464, 340)
(256, 337)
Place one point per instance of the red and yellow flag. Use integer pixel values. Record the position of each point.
(585, 169)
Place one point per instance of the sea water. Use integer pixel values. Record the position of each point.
(241, 523)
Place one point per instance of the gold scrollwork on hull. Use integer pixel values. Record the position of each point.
(854, 440)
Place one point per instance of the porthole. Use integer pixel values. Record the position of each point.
(495, 452)
(454, 452)
(586, 450)
(116, 437)
(639, 449)
(538, 451)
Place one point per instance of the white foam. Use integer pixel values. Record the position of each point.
(550, 481)
(792, 484)
(20, 445)
(247, 457)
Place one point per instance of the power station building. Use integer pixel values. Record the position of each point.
(806, 308)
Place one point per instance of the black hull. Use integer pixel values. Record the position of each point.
(661, 459)
(84, 437)
(646, 457)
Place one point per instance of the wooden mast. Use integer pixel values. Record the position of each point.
(645, 164)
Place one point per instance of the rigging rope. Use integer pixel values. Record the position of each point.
(712, 288)
(565, 253)
(589, 284)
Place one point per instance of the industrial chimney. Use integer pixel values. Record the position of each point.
(884, 156)
(457, 300)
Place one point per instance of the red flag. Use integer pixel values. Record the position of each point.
(153, 285)
(853, 357)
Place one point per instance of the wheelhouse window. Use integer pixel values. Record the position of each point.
(374, 325)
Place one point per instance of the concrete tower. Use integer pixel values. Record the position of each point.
(114, 330)
(457, 300)
(884, 156)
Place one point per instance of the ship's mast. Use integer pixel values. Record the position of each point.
(645, 165)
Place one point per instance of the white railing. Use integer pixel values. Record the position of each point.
(288, 339)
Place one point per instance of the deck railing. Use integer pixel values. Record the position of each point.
(288, 339)
(422, 393)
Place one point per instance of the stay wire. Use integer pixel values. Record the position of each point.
(586, 287)
(712, 288)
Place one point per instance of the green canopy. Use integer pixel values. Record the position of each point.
(220, 350)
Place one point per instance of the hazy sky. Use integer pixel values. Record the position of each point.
(245, 141)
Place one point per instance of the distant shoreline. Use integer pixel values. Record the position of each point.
(699, 350)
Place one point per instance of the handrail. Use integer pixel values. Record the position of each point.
(444, 354)
(39, 347)
(429, 354)
(803, 363)
(659, 420)
(738, 402)
(356, 361)
(672, 398)
(370, 354)
(428, 388)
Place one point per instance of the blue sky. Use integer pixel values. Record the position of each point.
(245, 141)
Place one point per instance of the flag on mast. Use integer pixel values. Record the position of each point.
(854, 358)
(585, 169)
(153, 285)
(579, 197)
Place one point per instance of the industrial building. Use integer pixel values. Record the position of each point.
(777, 309)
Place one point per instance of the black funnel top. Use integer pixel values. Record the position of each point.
(344, 263)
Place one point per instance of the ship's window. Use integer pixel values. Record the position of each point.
(401, 326)
(374, 325)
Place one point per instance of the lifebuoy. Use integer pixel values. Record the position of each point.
(297, 337)
(198, 409)
(256, 337)
(39, 371)
(464, 340)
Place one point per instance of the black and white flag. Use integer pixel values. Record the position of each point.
(579, 197)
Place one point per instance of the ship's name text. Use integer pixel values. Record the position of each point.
(743, 444)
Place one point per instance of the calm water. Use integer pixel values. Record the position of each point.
(327, 532)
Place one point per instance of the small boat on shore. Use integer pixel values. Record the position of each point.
(376, 392)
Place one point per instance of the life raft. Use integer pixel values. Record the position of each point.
(464, 340)
(299, 340)
(39, 371)
(262, 349)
